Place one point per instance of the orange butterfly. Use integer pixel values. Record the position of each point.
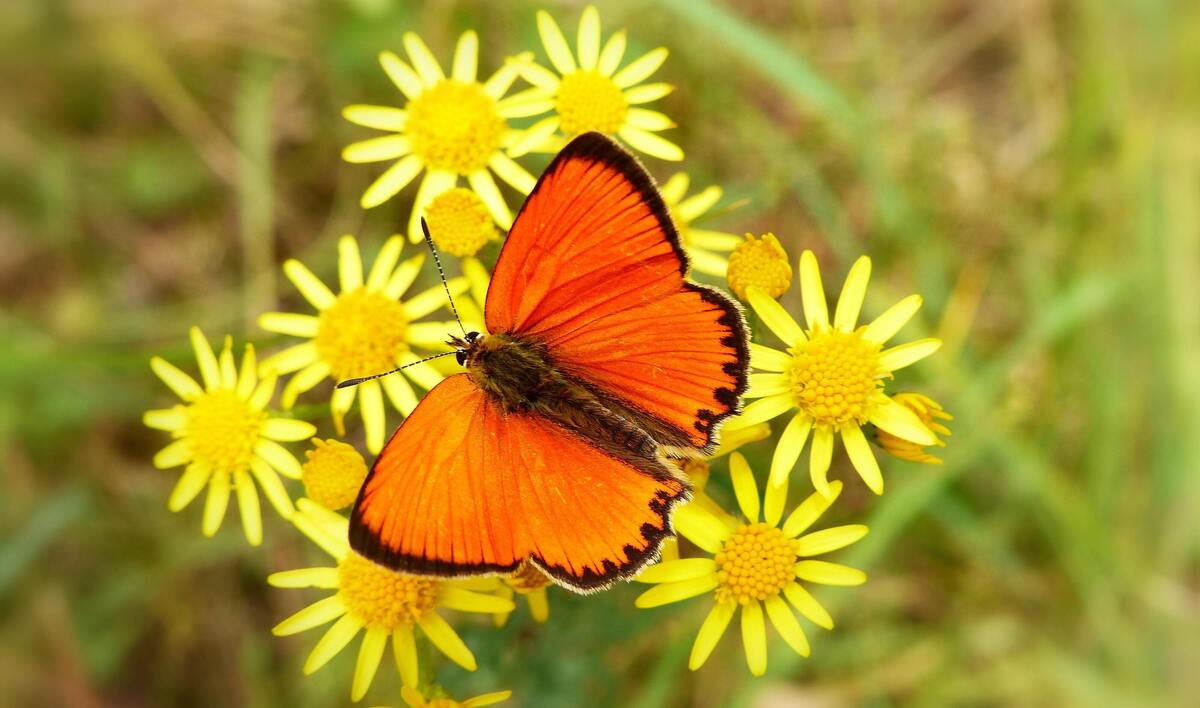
(602, 361)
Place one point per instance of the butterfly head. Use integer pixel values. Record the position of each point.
(465, 346)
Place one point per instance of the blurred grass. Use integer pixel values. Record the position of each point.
(1032, 168)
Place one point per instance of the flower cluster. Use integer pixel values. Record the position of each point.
(457, 135)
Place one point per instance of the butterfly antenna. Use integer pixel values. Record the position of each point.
(354, 382)
(442, 274)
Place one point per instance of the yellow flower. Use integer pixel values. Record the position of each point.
(527, 580)
(755, 566)
(459, 222)
(590, 93)
(415, 700)
(381, 603)
(333, 473)
(703, 247)
(450, 127)
(226, 437)
(365, 329)
(930, 412)
(832, 376)
(760, 263)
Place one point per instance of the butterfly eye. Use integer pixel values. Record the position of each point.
(461, 356)
(472, 336)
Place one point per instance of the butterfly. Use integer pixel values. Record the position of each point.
(601, 361)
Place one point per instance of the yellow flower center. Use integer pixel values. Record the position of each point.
(527, 578)
(589, 100)
(762, 263)
(222, 430)
(834, 376)
(460, 222)
(454, 126)
(333, 474)
(361, 334)
(756, 563)
(381, 597)
(697, 473)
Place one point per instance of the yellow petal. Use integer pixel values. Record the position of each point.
(287, 429)
(692, 207)
(278, 457)
(339, 405)
(774, 500)
(828, 573)
(786, 624)
(898, 357)
(248, 507)
(402, 396)
(710, 633)
(248, 378)
(901, 422)
(778, 321)
(401, 74)
(309, 285)
(640, 69)
(768, 384)
(761, 411)
(189, 486)
(404, 276)
(466, 58)
(443, 636)
(434, 183)
(539, 607)
(268, 480)
(302, 382)
(210, 371)
(483, 185)
(228, 368)
(291, 359)
(513, 174)
(541, 77)
(854, 290)
(315, 615)
(335, 639)
(378, 117)
(487, 699)
(215, 503)
(177, 453)
(810, 510)
(555, 43)
(647, 93)
(289, 323)
(387, 147)
(535, 136)
(392, 181)
(889, 323)
(812, 293)
(611, 55)
(183, 385)
(373, 416)
(808, 606)
(820, 457)
(700, 527)
(674, 571)
(674, 188)
(168, 419)
(744, 487)
(369, 655)
(708, 263)
(435, 297)
(862, 457)
(404, 647)
(667, 593)
(652, 121)
(650, 143)
(713, 240)
(326, 578)
(754, 638)
(469, 601)
(500, 82)
(589, 38)
(766, 358)
(830, 539)
(787, 452)
(385, 263)
(422, 59)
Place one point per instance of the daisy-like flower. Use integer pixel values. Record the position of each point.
(381, 603)
(333, 473)
(527, 580)
(704, 247)
(931, 414)
(225, 436)
(831, 378)
(756, 565)
(591, 91)
(365, 329)
(760, 263)
(414, 699)
(451, 127)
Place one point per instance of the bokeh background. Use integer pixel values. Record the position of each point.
(1031, 167)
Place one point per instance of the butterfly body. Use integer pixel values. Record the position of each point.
(601, 362)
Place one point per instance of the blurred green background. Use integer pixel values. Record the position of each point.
(1031, 167)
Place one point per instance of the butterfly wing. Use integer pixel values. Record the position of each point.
(594, 268)
(463, 488)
